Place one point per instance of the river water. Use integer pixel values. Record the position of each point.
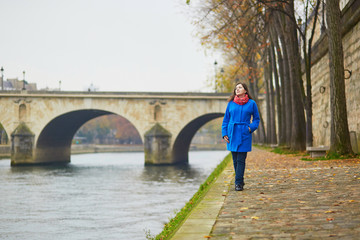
(97, 196)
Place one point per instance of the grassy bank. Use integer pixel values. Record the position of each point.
(306, 156)
(332, 156)
(173, 225)
(280, 150)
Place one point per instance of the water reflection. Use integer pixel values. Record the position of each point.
(177, 173)
(45, 172)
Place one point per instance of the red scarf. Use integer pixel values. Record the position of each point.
(241, 101)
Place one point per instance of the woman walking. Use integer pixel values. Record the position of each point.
(237, 129)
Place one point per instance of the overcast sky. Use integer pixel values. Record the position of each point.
(116, 45)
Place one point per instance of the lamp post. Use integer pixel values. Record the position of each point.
(222, 79)
(215, 64)
(24, 88)
(60, 85)
(2, 78)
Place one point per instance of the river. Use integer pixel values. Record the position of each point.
(97, 196)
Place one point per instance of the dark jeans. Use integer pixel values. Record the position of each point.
(239, 166)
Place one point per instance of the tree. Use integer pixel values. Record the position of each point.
(293, 57)
(284, 15)
(307, 45)
(280, 93)
(239, 29)
(107, 128)
(235, 28)
(340, 137)
(279, 25)
(272, 139)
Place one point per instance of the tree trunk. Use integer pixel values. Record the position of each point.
(268, 102)
(340, 137)
(308, 98)
(282, 121)
(280, 91)
(277, 88)
(298, 129)
(252, 79)
(280, 18)
(260, 133)
(274, 94)
(272, 101)
(307, 58)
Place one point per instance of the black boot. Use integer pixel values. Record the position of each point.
(239, 187)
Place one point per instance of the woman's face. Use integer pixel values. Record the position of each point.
(240, 90)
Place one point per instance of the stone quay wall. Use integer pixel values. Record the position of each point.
(320, 77)
(321, 80)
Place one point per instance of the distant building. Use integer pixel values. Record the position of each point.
(92, 88)
(16, 84)
(31, 86)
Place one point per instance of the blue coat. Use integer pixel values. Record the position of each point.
(236, 125)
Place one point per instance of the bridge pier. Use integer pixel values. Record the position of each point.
(53, 155)
(22, 142)
(157, 146)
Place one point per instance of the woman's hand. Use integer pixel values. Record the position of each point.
(249, 130)
(226, 138)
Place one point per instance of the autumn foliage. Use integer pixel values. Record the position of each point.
(109, 129)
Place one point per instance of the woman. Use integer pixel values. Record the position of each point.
(237, 129)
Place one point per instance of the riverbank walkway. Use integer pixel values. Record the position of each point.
(284, 198)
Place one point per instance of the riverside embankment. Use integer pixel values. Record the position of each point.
(5, 150)
(284, 197)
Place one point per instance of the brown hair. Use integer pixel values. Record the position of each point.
(234, 91)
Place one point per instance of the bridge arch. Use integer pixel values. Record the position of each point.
(4, 137)
(180, 152)
(54, 141)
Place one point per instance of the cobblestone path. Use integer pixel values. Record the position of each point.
(287, 198)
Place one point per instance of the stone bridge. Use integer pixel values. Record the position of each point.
(43, 124)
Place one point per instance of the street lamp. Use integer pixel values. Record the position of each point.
(24, 88)
(60, 85)
(215, 64)
(2, 78)
(222, 79)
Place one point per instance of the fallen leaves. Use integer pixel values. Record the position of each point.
(330, 211)
(296, 194)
